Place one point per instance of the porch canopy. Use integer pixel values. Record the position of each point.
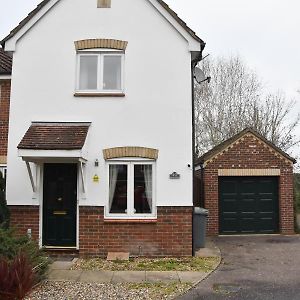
(54, 142)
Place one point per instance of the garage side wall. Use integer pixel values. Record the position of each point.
(250, 153)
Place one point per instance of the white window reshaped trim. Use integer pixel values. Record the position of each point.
(130, 190)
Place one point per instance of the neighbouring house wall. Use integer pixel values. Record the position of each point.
(4, 118)
(250, 153)
(156, 111)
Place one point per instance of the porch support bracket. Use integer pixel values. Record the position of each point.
(82, 177)
(31, 176)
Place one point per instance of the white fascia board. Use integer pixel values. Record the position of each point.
(10, 45)
(35, 155)
(5, 77)
(194, 45)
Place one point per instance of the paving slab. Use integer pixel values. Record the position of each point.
(61, 265)
(96, 276)
(111, 256)
(191, 277)
(129, 276)
(64, 275)
(167, 276)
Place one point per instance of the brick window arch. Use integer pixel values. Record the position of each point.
(100, 43)
(120, 152)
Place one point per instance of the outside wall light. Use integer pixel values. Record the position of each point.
(96, 163)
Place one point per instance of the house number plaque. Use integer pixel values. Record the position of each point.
(174, 175)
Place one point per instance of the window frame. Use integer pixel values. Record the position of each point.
(100, 70)
(3, 169)
(130, 215)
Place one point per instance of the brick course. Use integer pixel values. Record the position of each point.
(169, 235)
(250, 153)
(4, 117)
(23, 218)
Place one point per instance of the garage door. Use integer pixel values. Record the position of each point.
(248, 205)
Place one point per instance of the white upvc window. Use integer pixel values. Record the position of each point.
(100, 72)
(131, 190)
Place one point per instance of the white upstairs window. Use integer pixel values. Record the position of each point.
(100, 72)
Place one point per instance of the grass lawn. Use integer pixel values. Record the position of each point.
(143, 264)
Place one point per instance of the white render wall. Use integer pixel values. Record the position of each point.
(155, 113)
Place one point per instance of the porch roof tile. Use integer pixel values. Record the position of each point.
(55, 136)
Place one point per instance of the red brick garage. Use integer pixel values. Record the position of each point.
(247, 186)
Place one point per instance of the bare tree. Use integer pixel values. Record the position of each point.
(235, 100)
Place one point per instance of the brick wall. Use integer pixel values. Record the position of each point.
(250, 153)
(4, 117)
(23, 218)
(170, 235)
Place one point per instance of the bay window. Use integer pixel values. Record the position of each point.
(131, 190)
(100, 72)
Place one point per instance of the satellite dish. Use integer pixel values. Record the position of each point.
(199, 75)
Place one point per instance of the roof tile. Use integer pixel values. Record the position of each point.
(55, 136)
(5, 62)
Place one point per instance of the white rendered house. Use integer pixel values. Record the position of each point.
(100, 135)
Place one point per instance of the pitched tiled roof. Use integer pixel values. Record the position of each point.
(43, 3)
(181, 22)
(5, 63)
(219, 148)
(55, 136)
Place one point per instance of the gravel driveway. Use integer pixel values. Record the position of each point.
(254, 267)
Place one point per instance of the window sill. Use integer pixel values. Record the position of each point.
(130, 221)
(78, 94)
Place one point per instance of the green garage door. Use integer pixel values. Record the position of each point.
(248, 205)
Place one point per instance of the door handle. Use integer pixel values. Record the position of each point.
(60, 199)
(59, 213)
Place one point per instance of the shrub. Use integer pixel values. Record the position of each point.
(17, 277)
(11, 245)
(4, 212)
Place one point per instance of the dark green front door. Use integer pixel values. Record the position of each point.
(60, 205)
(248, 205)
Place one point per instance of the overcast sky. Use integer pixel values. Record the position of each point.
(265, 33)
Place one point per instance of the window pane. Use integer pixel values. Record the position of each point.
(112, 73)
(118, 175)
(143, 189)
(88, 72)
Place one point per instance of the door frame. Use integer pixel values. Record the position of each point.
(41, 198)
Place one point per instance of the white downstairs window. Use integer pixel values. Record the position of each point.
(131, 190)
(100, 72)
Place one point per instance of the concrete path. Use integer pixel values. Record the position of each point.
(253, 267)
(60, 271)
(126, 276)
